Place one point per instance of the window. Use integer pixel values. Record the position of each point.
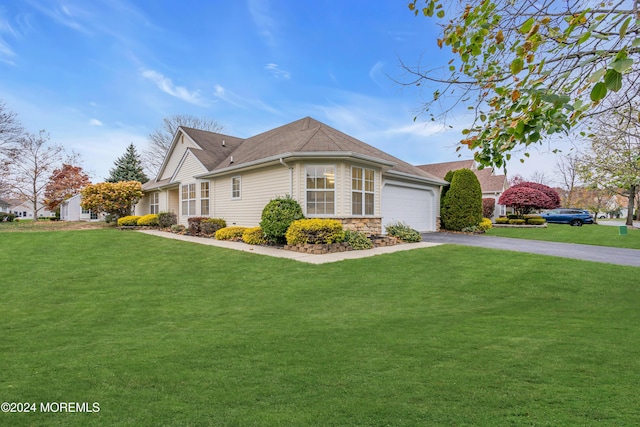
(362, 191)
(189, 200)
(235, 187)
(154, 203)
(321, 190)
(204, 198)
(85, 211)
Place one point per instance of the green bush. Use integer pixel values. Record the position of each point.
(167, 219)
(230, 233)
(536, 221)
(314, 230)
(502, 220)
(128, 221)
(277, 216)
(357, 240)
(515, 216)
(149, 220)
(209, 226)
(8, 217)
(178, 228)
(254, 236)
(516, 221)
(403, 232)
(462, 204)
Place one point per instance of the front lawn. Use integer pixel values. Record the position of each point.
(164, 332)
(591, 234)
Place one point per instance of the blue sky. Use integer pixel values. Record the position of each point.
(100, 74)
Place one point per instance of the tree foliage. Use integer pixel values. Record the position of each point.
(64, 182)
(160, 139)
(30, 163)
(10, 128)
(613, 158)
(462, 205)
(528, 196)
(529, 68)
(128, 167)
(115, 198)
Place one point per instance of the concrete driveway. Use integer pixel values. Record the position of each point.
(565, 250)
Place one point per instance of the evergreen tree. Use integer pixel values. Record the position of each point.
(462, 205)
(128, 167)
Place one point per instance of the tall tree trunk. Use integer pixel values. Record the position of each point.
(631, 205)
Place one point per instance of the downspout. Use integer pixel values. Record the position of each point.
(290, 176)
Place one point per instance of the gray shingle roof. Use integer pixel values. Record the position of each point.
(489, 182)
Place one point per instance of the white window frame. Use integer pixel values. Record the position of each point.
(205, 203)
(236, 193)
(328, 172)
(154, 203)
(363, 191)
(188, 199)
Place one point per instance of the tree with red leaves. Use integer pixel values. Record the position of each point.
(528, 196)
(65, 182)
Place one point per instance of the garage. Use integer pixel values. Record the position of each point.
(411, 204)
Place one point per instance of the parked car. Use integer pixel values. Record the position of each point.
(575, 217)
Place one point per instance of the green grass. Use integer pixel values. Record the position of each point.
(600, 235)
(163, 332)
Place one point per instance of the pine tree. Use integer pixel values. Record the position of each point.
(462, 205)
(128, 167)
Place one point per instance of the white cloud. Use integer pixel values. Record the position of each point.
(95, 122)
(277, 72)
(166, 85)
(241, 102)
(260, 11)
(6, 53)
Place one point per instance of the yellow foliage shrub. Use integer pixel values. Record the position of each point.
(485, 224)
(230, 233)
(149, 220)
(254, 236)
(314, 230)
(127, 221)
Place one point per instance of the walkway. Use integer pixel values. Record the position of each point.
(565, 250)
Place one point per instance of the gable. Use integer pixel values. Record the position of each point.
(188, 168)
(181, 143)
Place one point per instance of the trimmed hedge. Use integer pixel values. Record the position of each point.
(462, 204)
(277, 216)
(516, 221)
(167, 219)
(149, 220)
(230, 233)
(194, 224)
(502, 220)
(254, 236)
(128, 221)
(314, 230)
(536, 221)
(403, 232)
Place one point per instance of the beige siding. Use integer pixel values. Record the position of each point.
(142, 207)
(176, 156)
(189, 169)
(257, 188)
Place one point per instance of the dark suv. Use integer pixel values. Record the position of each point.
(575, 217)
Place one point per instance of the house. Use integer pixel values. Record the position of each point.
(331, 175)
(4, 206)
(492, 185)
(70, 210)
(24, 210)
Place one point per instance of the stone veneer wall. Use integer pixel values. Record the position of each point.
(369, 225)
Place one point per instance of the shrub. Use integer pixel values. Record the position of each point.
(314, 230)
(209, 226)
(403, 232)
(502, 220)
(277, 216)
(536, 221)
(194, 224)
(515, 216)
(357, 240)
(8, 217)
(516, 221)
(128, 221)
(462, 205)
(230, 233)
(149, 220)
(167, 219)
(527, 196)
(485, 224)
(488, 207)
(178, 228)
(254, 236)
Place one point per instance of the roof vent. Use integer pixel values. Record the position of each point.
(231, 159)
(223, 144)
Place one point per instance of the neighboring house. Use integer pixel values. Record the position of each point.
(331, 175)
(24, 210)
(492, 185)
(70, 210)
(4, 206)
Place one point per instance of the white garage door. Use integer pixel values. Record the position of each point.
(412, 206)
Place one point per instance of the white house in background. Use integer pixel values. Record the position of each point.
(70, 210)
(4, 206)
(331, 175)
(24, 210)
(492, 185)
